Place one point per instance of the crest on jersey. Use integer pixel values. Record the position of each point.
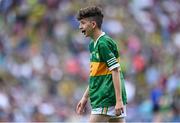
(97, 55)
(111, 54)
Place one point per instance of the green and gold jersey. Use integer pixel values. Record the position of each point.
(104, 57)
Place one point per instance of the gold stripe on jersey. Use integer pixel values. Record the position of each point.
(98, 69)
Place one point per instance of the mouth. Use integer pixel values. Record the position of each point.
(83, 31)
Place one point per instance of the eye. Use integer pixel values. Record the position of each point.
(82, 22)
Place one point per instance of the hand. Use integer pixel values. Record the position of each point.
(119, 108)
(81, 105)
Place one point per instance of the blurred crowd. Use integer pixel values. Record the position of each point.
(44, 58)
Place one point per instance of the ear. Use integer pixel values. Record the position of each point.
(94, 24)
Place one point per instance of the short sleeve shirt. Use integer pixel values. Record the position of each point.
(104, 57)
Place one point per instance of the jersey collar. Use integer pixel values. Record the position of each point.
(102, 34)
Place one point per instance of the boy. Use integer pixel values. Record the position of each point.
(106, 88)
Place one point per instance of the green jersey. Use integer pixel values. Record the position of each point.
(104, 57)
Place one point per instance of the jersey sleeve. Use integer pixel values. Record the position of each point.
(108, 56)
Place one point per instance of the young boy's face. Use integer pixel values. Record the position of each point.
(87, 27)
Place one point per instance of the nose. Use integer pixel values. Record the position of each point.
(80, 26)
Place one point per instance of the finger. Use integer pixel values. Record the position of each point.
(118, 112)
(78, 108)
(122, 110)
(81, 111)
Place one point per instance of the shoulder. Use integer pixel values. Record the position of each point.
(107, 41)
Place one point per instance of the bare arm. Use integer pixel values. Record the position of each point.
(117, 87)
(82, 103)
(86, 93)
(117, 84)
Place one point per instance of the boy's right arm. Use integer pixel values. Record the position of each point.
(82, 103)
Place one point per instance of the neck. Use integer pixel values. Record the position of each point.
(96, 34)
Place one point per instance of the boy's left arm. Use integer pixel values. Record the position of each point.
(117, 87)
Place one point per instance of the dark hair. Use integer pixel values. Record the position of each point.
(93, 13)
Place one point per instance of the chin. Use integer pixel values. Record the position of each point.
(86, 35)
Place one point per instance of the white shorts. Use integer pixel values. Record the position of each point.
(108, 111)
